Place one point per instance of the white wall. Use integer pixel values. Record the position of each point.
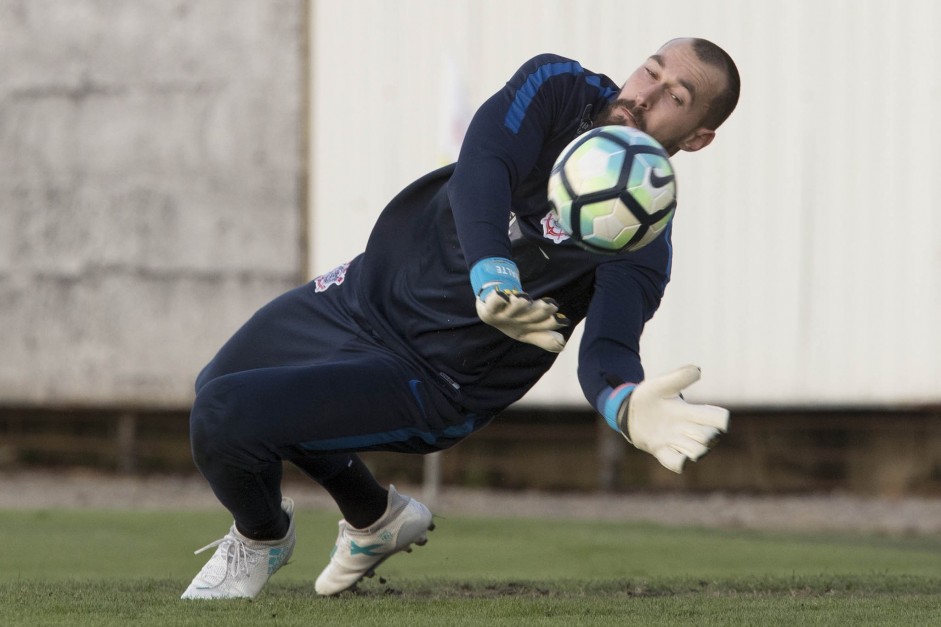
(807, 263)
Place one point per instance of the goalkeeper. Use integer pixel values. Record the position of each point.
(465, 294)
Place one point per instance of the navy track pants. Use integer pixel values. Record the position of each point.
(301, 381)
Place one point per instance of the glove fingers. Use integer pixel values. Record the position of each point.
(549, 324)
(494, 306)
(671, 384)
(516, 304)
(550, 310)
(519, 317)
(539, 315)
(546, 340)
(671, 459)
(689, 447)
(506, 306)
(709, 416)
(700, 433)
(523, 309)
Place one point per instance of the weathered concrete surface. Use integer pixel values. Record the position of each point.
(151, 177)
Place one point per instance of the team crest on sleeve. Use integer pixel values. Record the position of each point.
(551, 229)
(333, 277)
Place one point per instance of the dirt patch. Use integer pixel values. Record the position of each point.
(818, 512)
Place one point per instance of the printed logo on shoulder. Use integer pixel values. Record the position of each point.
(551, 229)
(333, 277)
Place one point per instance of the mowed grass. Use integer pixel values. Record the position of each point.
(77, 567)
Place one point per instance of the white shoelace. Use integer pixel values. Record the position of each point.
(239, 558)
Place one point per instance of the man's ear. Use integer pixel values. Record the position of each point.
(697, 140)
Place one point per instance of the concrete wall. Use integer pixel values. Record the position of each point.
(152, 183)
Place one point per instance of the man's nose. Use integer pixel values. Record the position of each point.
(645, 97)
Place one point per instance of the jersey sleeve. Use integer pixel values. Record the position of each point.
(627, 294)
(501, 147)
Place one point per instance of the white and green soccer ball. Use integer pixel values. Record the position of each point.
(613, 189)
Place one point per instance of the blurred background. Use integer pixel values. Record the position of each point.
(169, 167)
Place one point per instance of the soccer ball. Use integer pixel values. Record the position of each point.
(613, 189)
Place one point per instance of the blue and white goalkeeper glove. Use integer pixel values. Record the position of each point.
(502, 303)
(654, 418)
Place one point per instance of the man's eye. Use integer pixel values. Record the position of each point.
(676, 99)
(650, 72)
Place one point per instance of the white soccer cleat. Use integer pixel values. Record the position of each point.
(358, 552)
(240, 567)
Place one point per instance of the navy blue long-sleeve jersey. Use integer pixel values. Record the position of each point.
(413, 282)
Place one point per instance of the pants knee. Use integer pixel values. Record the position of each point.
(217, 428)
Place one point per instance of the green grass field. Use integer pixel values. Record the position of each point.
(75, 567)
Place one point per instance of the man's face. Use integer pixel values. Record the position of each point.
(667, 97)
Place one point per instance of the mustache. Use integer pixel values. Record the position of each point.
(636, 113)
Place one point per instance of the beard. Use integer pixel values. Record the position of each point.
(614, 113)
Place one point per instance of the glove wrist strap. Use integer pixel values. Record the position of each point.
(491, 273)
(614, 400)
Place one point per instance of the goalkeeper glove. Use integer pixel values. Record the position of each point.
(502, 303)
(654, 418)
